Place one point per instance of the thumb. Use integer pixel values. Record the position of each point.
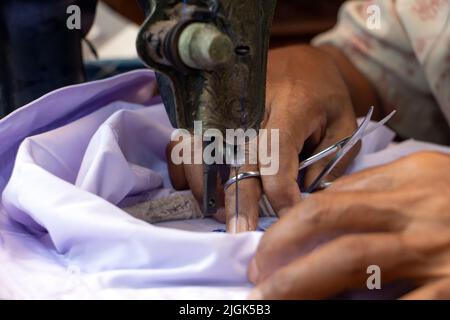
(332, 136)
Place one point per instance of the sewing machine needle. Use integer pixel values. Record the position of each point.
(236, 213)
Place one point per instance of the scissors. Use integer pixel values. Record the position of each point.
(341, 149)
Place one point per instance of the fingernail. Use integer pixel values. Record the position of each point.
(231, 226)
(255, 295)
(242, 224)
(253, 272)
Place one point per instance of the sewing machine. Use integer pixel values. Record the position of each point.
(210, 57)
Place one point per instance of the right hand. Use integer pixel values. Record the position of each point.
(309, 103)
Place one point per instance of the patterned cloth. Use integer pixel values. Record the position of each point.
(406, 57)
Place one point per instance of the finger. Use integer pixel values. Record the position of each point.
(374, 179)
(391, 176)
(244, 215)
(281, 187)
(335, 132)
(437, 290)
(338, 266)
(189, 175)
(182, 155)
(320, 218)
(176, 171)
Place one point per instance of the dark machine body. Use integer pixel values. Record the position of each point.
(211, 58)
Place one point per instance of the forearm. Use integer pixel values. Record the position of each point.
(306, 75)
(362, 92)
(323, 70)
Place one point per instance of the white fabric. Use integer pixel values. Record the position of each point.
(62, 234)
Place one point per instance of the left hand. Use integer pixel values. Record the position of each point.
(395, 216)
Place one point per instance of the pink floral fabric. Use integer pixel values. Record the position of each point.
(406, 57)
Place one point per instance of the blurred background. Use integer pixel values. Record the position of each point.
(38, 54)
(116, 24)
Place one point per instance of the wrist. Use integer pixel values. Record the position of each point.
(362, 92)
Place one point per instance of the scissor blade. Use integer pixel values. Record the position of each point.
(357, 136)
(354, 139)
(379, 124)
(334, 148)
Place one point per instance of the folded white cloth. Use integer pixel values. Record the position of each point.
(67, 160)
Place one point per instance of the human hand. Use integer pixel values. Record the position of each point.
(309, 104)
(396, 217)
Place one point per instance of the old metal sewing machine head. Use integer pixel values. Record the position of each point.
(210, 57)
